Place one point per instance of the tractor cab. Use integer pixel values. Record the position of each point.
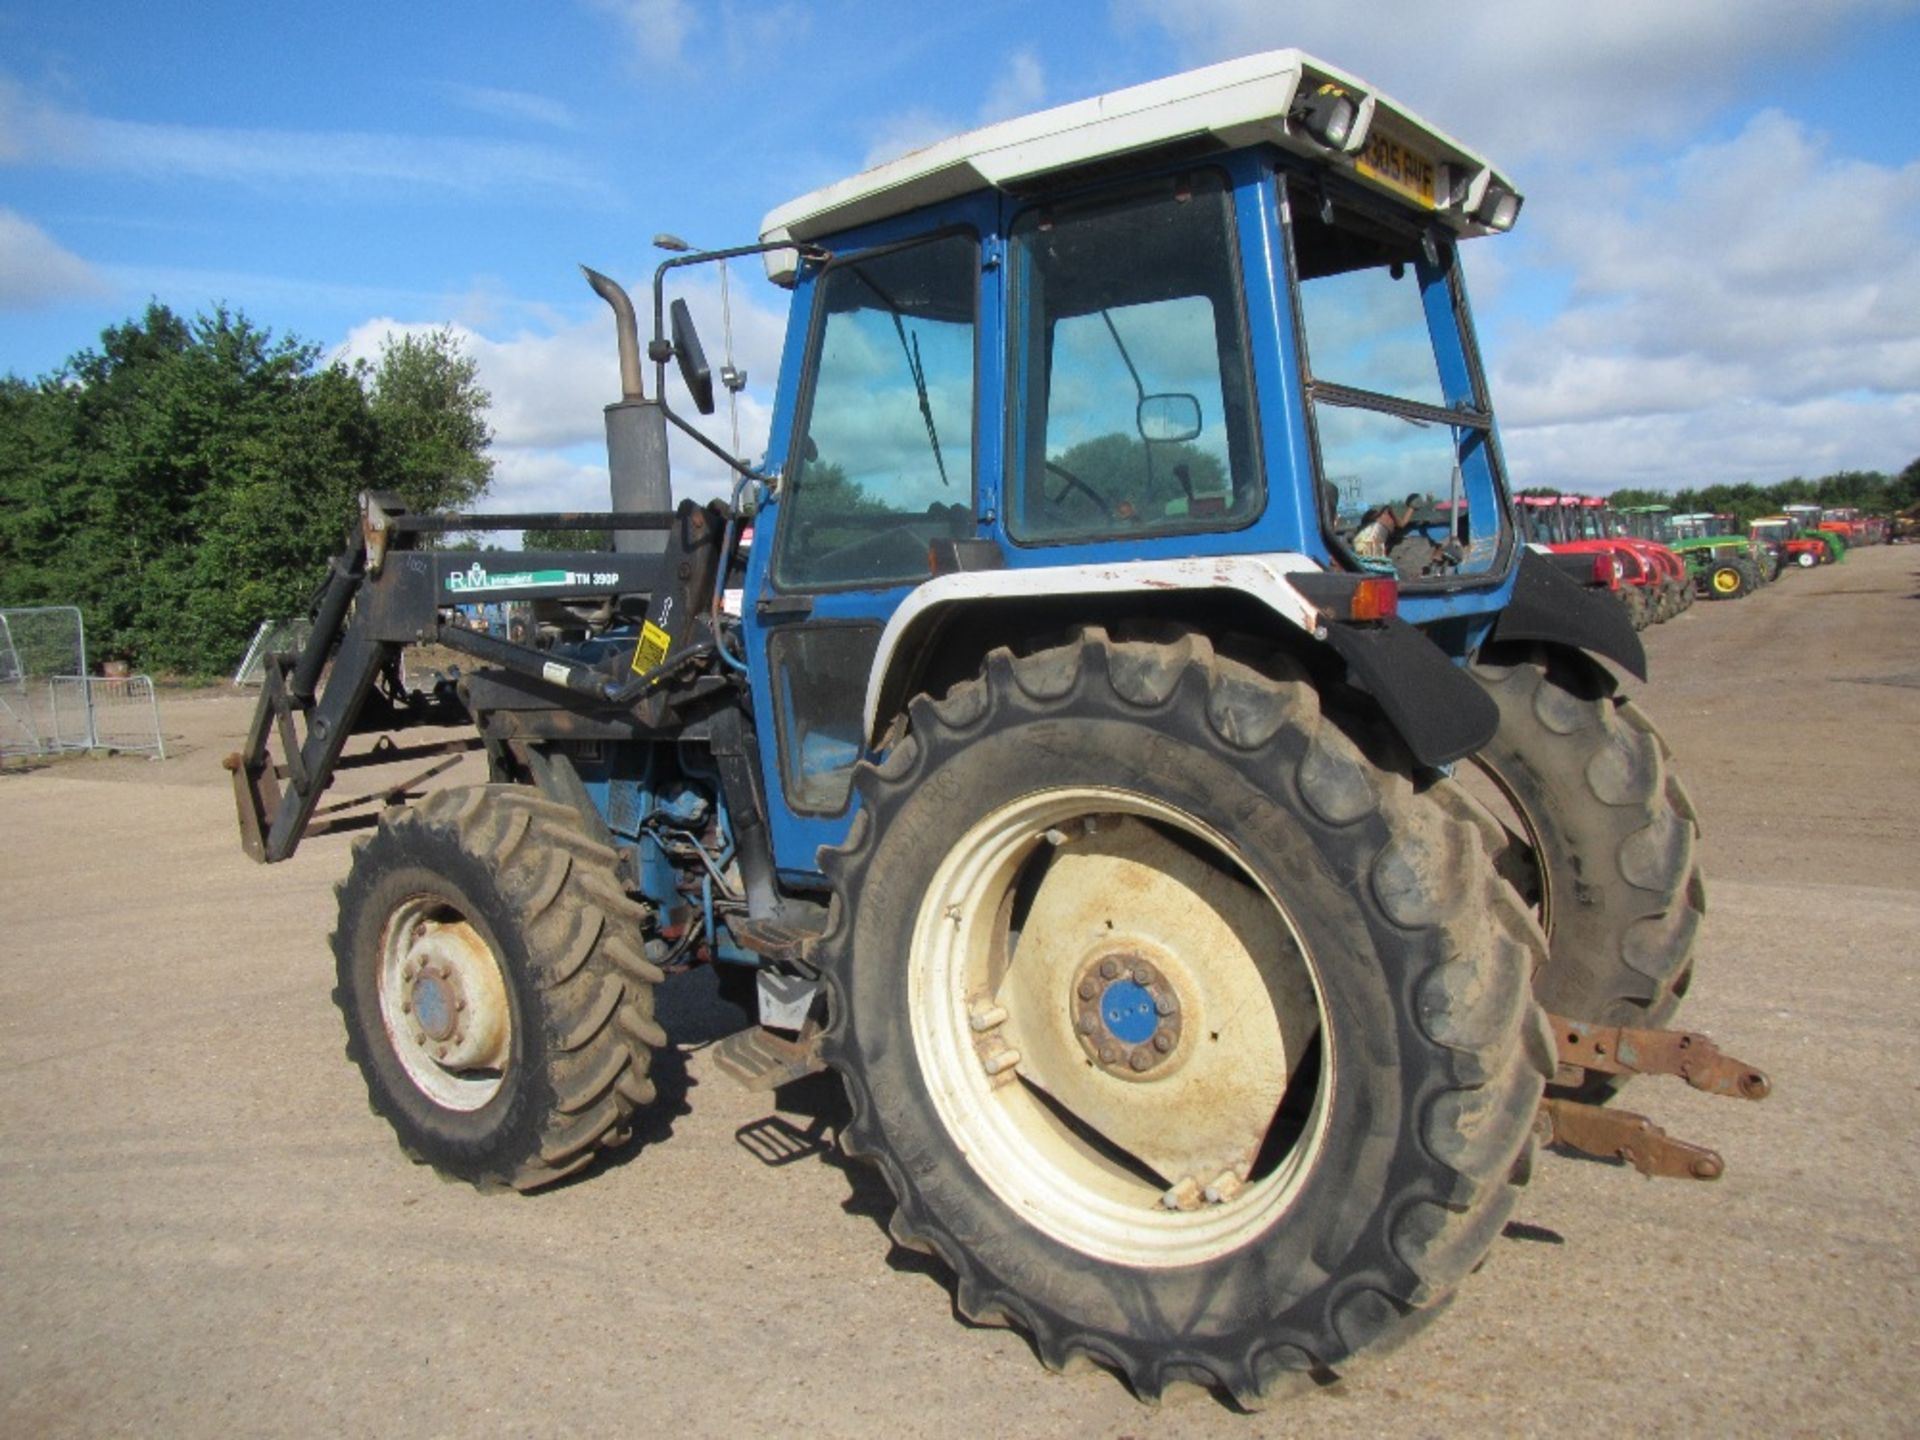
(1219, 318)
(1650, 522)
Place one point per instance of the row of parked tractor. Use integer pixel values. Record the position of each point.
(1657, 562)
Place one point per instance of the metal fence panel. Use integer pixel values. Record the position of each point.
(123, 713)
(48, 702)
(19, 734)
(274, 637)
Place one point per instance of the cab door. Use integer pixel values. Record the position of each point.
(884, 450)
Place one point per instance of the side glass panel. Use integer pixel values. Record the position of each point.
(820, 685)
(886, 459)
(1135, 413)
(1407, 472)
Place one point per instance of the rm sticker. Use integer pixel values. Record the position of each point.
(652, 648)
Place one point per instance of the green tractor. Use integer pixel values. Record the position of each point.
(1720, 559)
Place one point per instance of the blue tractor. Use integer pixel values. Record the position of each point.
(1083, 771)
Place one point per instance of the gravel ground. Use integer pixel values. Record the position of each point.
(202, 1229)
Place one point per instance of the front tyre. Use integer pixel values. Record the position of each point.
(496, 999)
(1727, 580)
(1184, 1029)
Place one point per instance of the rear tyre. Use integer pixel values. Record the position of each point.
(1600, 836)
(496, 999)
(1111, 920)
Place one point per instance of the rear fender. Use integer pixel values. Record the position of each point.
(1439, 711)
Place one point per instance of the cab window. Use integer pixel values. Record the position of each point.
(1404, 438)
(1135, 413)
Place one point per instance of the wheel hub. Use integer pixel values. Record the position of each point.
(1127, 1016)
(437, 1003)
(445, 1004)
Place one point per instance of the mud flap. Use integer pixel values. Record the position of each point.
(1547, 605)
(1439, 710)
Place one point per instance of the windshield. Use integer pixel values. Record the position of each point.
(1655, 525)
(1402, 428)
(885, 463)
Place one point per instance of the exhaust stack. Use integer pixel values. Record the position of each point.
(636, 430)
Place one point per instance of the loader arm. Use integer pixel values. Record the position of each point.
(383, 593)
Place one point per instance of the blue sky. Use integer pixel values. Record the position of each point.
(1717, 275)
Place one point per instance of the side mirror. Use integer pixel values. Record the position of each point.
(1168, 419)
(693, 359)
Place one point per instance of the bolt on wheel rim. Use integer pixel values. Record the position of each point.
(443, 1001)
(1099, 1038)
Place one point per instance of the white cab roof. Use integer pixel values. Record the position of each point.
(1237, 103)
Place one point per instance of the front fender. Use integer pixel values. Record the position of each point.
(1547, 606)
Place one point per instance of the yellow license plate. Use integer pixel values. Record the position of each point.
(1400, 168)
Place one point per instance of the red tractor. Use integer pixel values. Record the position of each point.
(1783, 535)
(1547, 521)
(1853, 527)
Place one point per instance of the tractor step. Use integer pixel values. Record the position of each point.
(1620, 1134)
(782, 937)
(763, 1059)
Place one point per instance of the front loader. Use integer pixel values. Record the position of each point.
(1071, 777)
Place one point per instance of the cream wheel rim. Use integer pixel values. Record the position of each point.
(1098, 1037)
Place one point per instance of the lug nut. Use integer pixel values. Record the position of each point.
(1142, 975)
(1089, 1022)
(1165, 1004)
(1110, 1054)
(1109, 969)
(1163, 1042)
(1088, 989)
(1139, 1060)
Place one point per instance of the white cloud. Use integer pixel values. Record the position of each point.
(511, 105)
(33, 132)
(1722, 443)
(550, 386)
(1747, 280)
(904, 132)
(35, 270)
(657, 29)
(758, 36)
(1019, 89)
(1517, 77)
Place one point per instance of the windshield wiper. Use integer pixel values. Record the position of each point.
(914, 368)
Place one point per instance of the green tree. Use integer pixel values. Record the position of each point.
(430, 413)
(186, 479)
(557, 539)
(1123, 470)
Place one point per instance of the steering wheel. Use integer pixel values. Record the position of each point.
(1074, 482)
